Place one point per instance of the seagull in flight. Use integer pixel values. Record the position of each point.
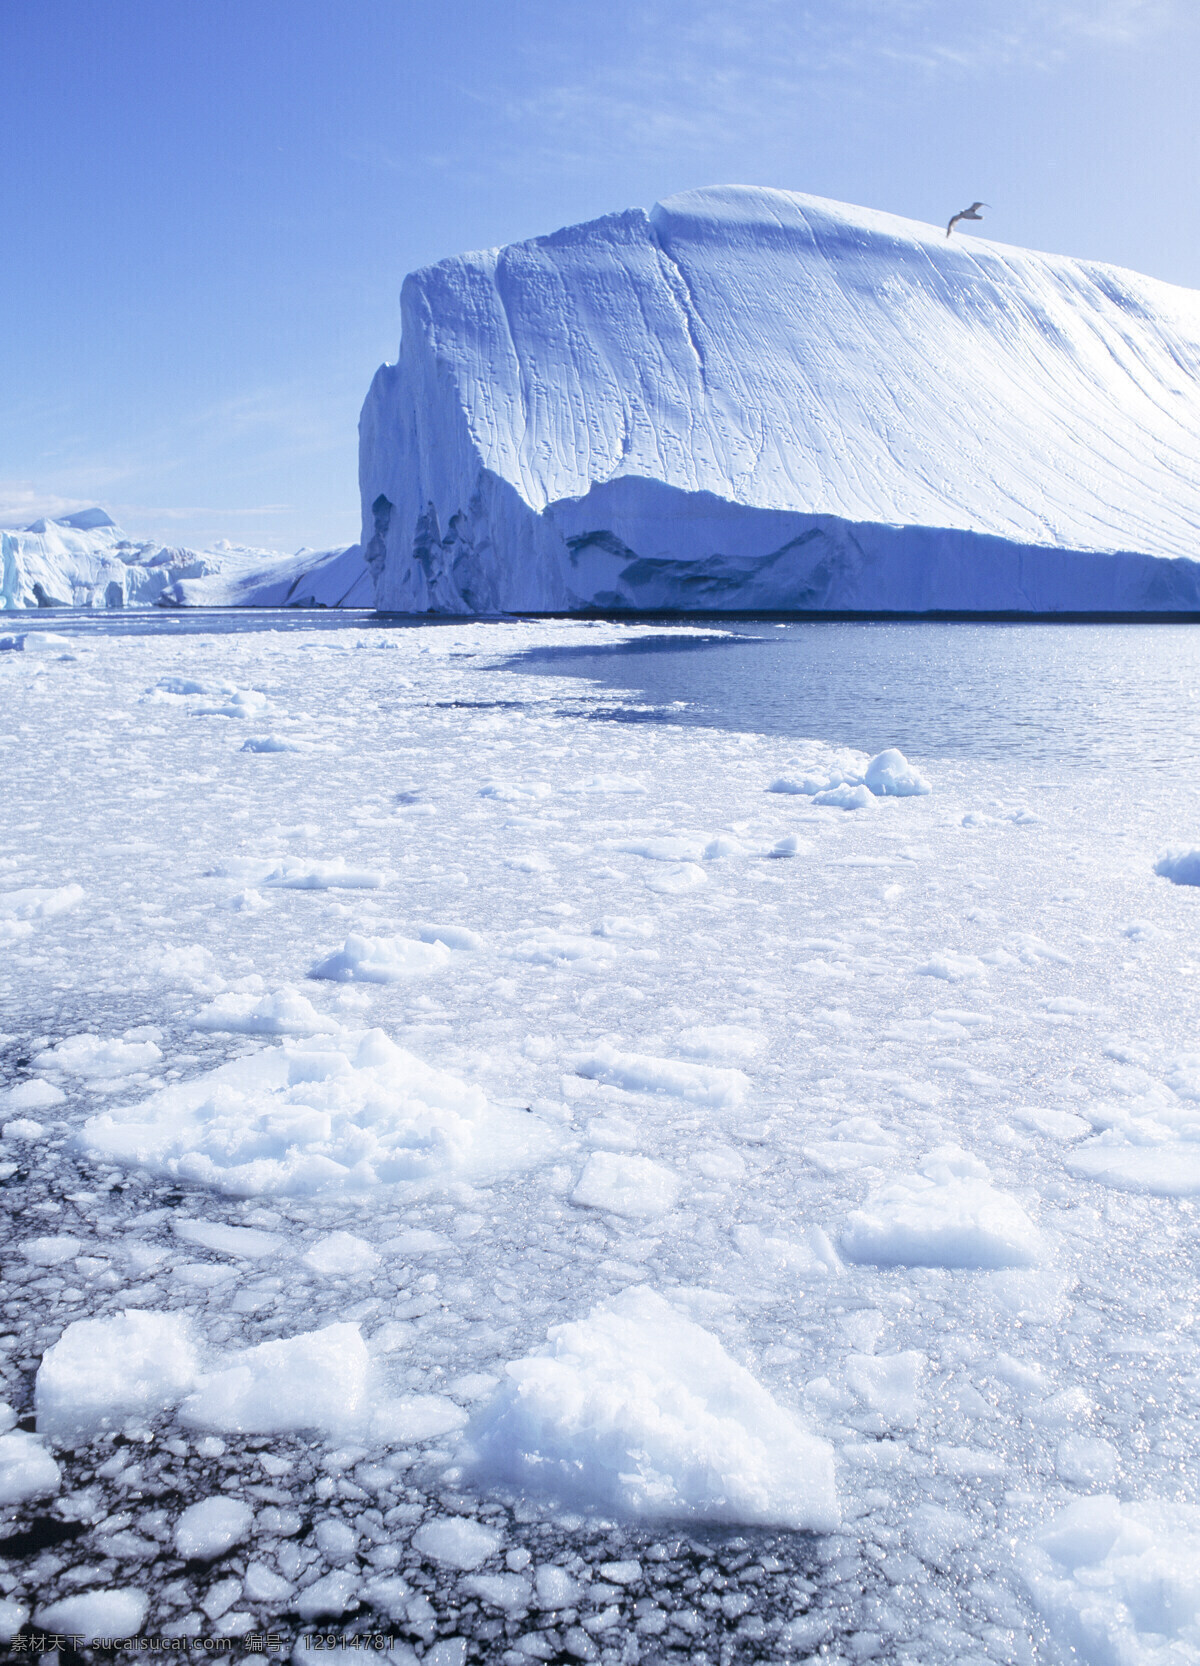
(971, 213)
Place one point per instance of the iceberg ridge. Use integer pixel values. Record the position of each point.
(755, 399)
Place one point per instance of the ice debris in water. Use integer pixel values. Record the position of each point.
(640, 1409)
(293, 873)
(1120, 1582)
(626, 1185)
(26, 1468)
(382, 960)
(852, 782)
(102, 1371)
(19, 909)
(315, 1115)
(702, 1084)
(949, 1215)
(208, 1529)
(269, 743)
(284, 1012)
(100, 1613)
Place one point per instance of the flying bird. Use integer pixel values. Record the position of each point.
(971, 213)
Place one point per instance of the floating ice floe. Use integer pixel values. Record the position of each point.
(246, 1243)
(640, 1409)
(677, 881)
(513, 792)
(51, 1252)
(624, 1184)
(1119, 1583)
(846, 797)
(1167, 1168)
(295, 873)
(283, 1012)
(319, 1380)
(345, 1113)
(889, 1385)
(890, 775)
(341, 1255)
(95, 1059)
(1181, 867)
(382, 960)
(1150, 1143)
(853, 782)
(102, 1371)
(701, 1084)
(33, 1095)
(23, 1128)
(457, 1541)
(19, 909)
(99, 1613)
(209, 1528)
(26, 1468)
(242, 702)
(949, 1215)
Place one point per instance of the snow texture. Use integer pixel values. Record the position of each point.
(1181, 867)
(752, 398)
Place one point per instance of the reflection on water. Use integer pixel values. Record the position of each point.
(1097, 695)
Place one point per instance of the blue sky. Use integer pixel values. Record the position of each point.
(209, 208)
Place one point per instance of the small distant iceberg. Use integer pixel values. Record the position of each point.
(84, 560)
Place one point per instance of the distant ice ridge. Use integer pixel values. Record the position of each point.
(756, 399)
(84, 560)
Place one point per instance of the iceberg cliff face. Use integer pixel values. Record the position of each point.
(755, 399)
(84, 560)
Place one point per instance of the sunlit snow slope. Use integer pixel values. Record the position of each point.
(757, 399)
(84, 560)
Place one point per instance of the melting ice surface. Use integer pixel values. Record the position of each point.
(610, 1190)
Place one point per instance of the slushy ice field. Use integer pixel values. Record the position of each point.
(498, 1182)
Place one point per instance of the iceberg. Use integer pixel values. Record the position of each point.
(85, 560)
(753, 399)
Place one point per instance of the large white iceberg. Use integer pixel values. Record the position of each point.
(755, 399)
(85, 560)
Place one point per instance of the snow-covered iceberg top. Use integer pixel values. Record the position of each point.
(758, 398)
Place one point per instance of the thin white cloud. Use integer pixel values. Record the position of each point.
(708, 76)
